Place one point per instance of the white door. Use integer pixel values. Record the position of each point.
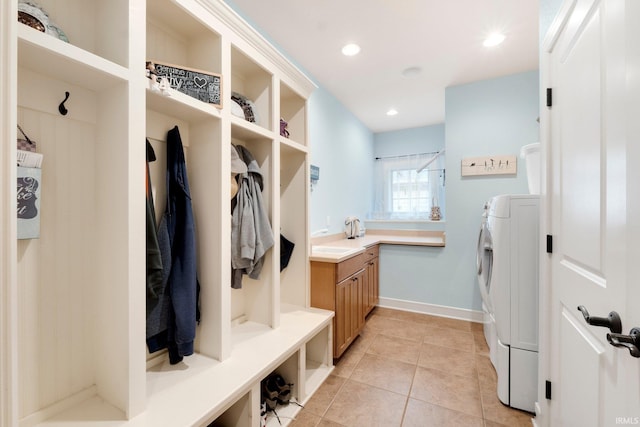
(592, 210)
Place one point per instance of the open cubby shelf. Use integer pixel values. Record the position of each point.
(76, 295)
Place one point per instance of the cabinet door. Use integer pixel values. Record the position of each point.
(366, 289)
(371, 283)
(343, 316)
(359, 304)
(349, 318)
(374, 283)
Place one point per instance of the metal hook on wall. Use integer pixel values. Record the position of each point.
(63, 110)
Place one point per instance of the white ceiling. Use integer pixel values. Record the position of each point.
(442, 37)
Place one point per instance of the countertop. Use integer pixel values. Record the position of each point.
(373, 237)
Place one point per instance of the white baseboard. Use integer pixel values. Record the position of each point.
(432, 309)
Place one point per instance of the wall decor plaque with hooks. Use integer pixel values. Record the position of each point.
(489, 165)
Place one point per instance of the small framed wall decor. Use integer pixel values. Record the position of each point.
(315, 173)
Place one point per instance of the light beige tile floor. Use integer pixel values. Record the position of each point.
(409, 369)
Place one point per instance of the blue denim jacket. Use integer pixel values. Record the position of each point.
(182, 282)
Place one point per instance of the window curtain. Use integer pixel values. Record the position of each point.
(404, 192)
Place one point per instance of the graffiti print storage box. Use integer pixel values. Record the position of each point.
(201, 85)
(29, 187)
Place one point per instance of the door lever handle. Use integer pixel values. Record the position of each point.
(631, 341)
(612, 322)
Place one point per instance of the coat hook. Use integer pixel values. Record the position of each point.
(63, 110)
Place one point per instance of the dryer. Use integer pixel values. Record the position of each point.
(507, 262)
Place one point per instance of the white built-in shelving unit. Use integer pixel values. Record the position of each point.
(72, 302)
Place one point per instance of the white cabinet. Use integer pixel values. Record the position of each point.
(73, 301)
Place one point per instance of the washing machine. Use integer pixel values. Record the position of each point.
(507, 269)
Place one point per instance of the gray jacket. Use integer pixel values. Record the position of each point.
(251, 234)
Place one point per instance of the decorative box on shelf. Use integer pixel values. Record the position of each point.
(202, 85)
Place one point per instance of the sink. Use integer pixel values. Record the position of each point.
(334, 250)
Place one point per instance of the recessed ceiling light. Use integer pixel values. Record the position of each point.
(493, 40)
(350, 49)
(411, 71)
(392, 112)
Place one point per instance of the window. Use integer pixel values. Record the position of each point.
(407, 190)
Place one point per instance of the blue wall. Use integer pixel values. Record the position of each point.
(342, 147)
(491, 117)
(409, 141)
